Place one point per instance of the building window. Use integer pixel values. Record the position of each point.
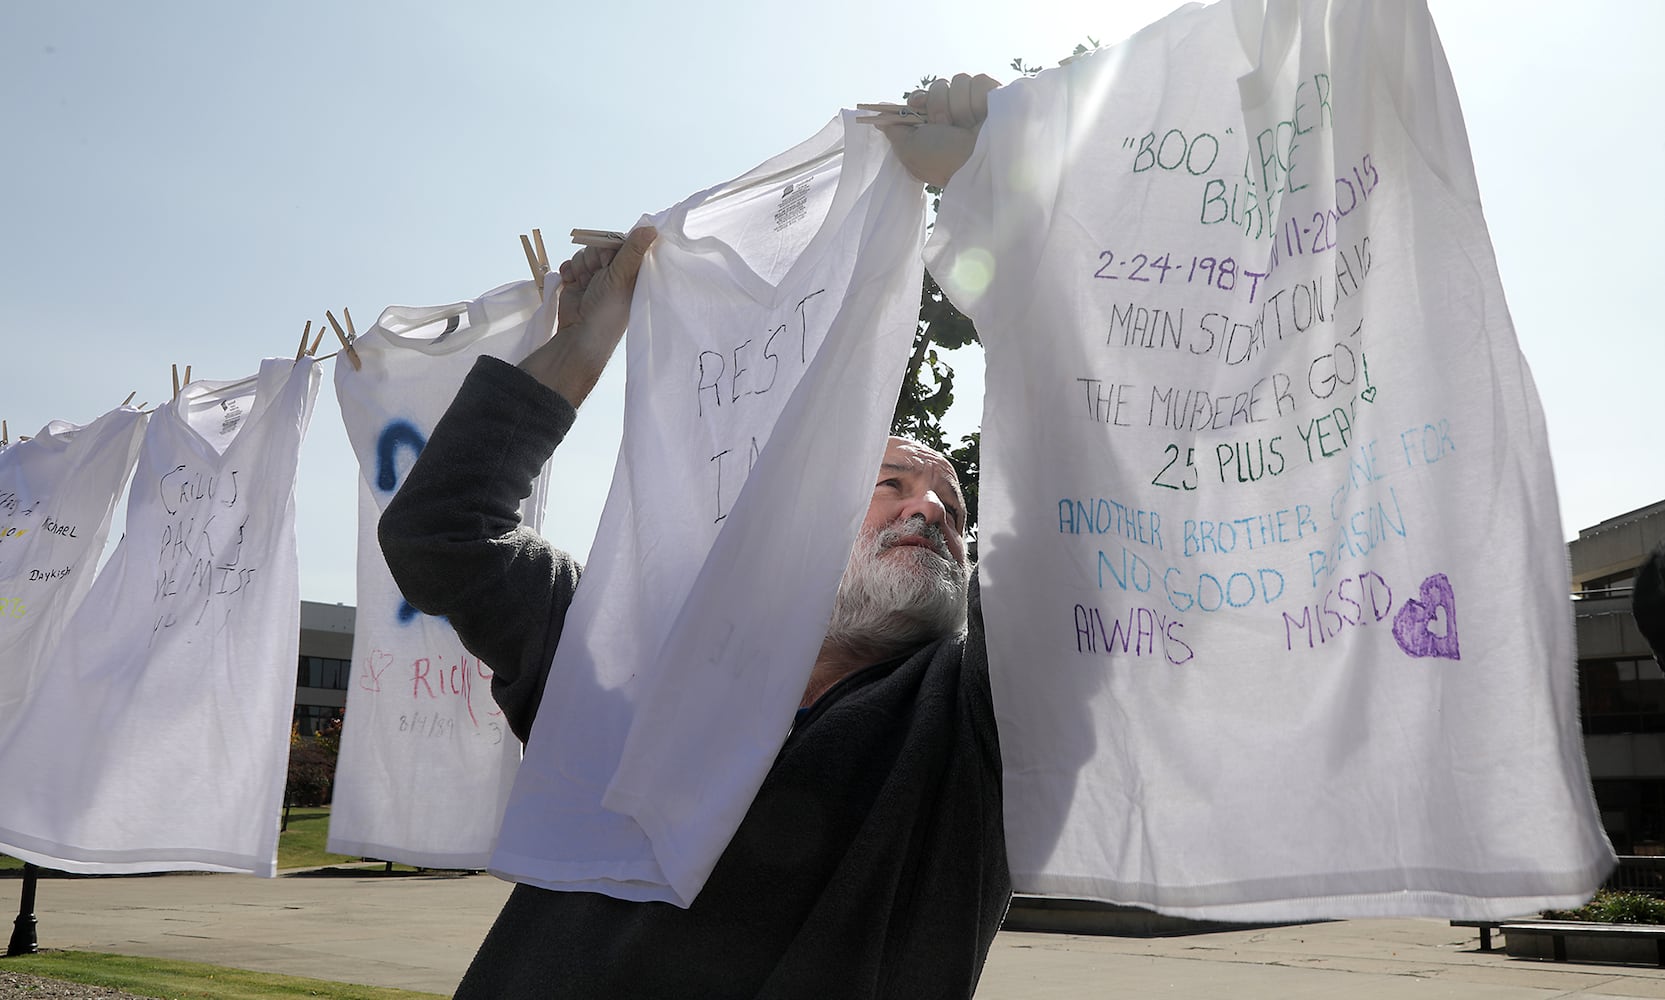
(311, 718)
(1613, 585)
(1633, 811)
(323, 672)
(1621, 696)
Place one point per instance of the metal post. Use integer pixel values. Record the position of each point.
(23, 931)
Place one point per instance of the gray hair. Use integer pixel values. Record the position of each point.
(886, 608)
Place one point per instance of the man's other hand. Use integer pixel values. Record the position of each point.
(592, 309)
(954, 111)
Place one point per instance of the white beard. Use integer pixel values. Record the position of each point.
(890, 602)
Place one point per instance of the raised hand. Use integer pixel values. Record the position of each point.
(954, 111)
(592, 309)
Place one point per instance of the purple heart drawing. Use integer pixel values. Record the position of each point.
(1427, 624)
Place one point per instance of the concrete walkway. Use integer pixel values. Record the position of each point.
(420, 931)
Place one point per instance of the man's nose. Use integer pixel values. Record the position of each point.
(927, 505)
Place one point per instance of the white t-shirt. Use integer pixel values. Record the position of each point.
(426, 759)
(767, 304)
(158, 740)
(1272, 574)
(57, 492)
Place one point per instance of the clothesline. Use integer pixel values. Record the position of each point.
(537, 259)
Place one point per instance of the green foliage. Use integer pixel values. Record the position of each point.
(928, 389)
(1610, 907)
(157, 977)
(312, 765)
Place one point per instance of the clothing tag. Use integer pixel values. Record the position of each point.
(793, 205)
(233, 416)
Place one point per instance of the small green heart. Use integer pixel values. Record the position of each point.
(1369, 394)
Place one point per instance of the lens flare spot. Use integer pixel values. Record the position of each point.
(974, 270)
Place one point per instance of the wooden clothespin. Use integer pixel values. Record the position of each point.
(607, 239)
(537, 260)
(175, 381)
(346, 342)
(306, 335)
(312, 351)
(129, 398)
(891, 114)
(5, 434)
(187, 377)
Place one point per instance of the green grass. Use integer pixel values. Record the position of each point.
(302, 845)
(155, 977)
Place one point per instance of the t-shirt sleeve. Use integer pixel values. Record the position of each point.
(456, 546)
(994, 215)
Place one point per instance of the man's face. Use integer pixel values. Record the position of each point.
(916, 482)
(907, 579)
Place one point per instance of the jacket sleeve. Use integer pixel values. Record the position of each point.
(979, 697)
(455, 544)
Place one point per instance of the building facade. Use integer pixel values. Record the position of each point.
(1621, 690)
(325, 664)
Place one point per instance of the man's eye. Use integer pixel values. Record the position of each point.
(897, 483)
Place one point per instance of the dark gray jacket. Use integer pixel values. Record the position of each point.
(872, 862)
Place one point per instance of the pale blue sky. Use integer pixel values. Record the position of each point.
(190, 182)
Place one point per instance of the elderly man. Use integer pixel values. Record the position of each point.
(872, 861)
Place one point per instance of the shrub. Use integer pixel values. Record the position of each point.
(1610, 907)
(312, 765)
